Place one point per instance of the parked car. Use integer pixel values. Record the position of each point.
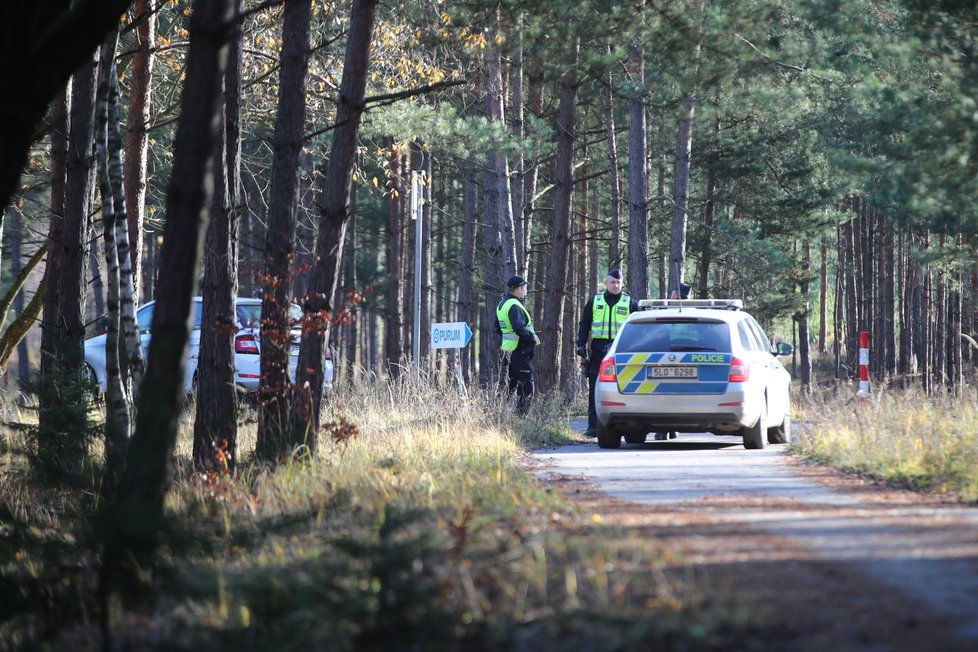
(693, 365)
(247, 346)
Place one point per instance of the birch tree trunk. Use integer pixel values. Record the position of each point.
(332, 222)
(117, 418)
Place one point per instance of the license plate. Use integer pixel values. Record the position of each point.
(672, 372)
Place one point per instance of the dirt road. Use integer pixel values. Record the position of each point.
(836, 561)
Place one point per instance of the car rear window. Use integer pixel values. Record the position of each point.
(249, 314)
(675, 335)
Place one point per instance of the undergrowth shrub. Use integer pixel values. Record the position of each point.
(924, 442)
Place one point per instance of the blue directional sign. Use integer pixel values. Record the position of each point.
(450, 335)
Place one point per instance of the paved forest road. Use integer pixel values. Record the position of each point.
(847, 564)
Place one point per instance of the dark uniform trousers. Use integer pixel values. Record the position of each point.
(521, 379)
(599, 348)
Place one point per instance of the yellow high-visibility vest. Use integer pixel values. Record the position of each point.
(510, 339)
(607, 320)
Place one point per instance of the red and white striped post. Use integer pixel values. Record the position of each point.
(863, 365)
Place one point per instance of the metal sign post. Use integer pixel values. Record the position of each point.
(416, 216)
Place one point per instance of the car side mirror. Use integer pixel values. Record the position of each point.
(784, 349)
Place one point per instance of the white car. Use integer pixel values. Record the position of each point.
(693, 365)
(247, 346)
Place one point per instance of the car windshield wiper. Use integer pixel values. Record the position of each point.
(687, 347)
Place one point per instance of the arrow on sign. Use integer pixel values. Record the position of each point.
(450, 335)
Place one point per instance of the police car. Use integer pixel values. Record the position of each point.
(693, 365)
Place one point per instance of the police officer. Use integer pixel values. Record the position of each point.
(518, 340)
(603, 315)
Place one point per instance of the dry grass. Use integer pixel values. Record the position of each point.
(422, 532)
(928, 443)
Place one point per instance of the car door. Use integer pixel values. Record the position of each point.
(757, 357)
(778, 381)
(144, 322)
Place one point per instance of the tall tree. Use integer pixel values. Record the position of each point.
(137, 511)
(107, 144)
(137, 138)
(216, 426)
(332, 220)
(555, 291)
(63, 325)
(680, 210)
(638, 213)
(274, 391)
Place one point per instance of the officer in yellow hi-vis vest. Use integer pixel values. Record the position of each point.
(603, 315)
(518, 340)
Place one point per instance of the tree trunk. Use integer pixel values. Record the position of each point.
(395, 302)
(16, 251)
(216, 425)
(518, 128)
(137, 140)
(498, 161)
(638, 220)
(107, 142)
(823, 309)
(274, 392)
(138, 512)
(680, 211)
(614, 182)
(470, 191)
(551, 333)
(332, 221)
(709, 214)
(804, 351)
(63, 320)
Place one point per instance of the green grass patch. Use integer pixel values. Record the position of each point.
(422, 532)
(927, 443)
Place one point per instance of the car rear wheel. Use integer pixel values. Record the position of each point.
(780, 434)
(754, 436)
(607, 437)
(635, 437)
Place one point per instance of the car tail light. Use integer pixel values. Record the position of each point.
(245, 344)
(739, 371)
(606, 372)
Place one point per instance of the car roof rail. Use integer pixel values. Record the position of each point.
(659, 304)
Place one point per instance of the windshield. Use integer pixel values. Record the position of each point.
(679, 335)
(249, 315)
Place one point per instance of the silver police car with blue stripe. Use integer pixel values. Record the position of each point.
(693, 365)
